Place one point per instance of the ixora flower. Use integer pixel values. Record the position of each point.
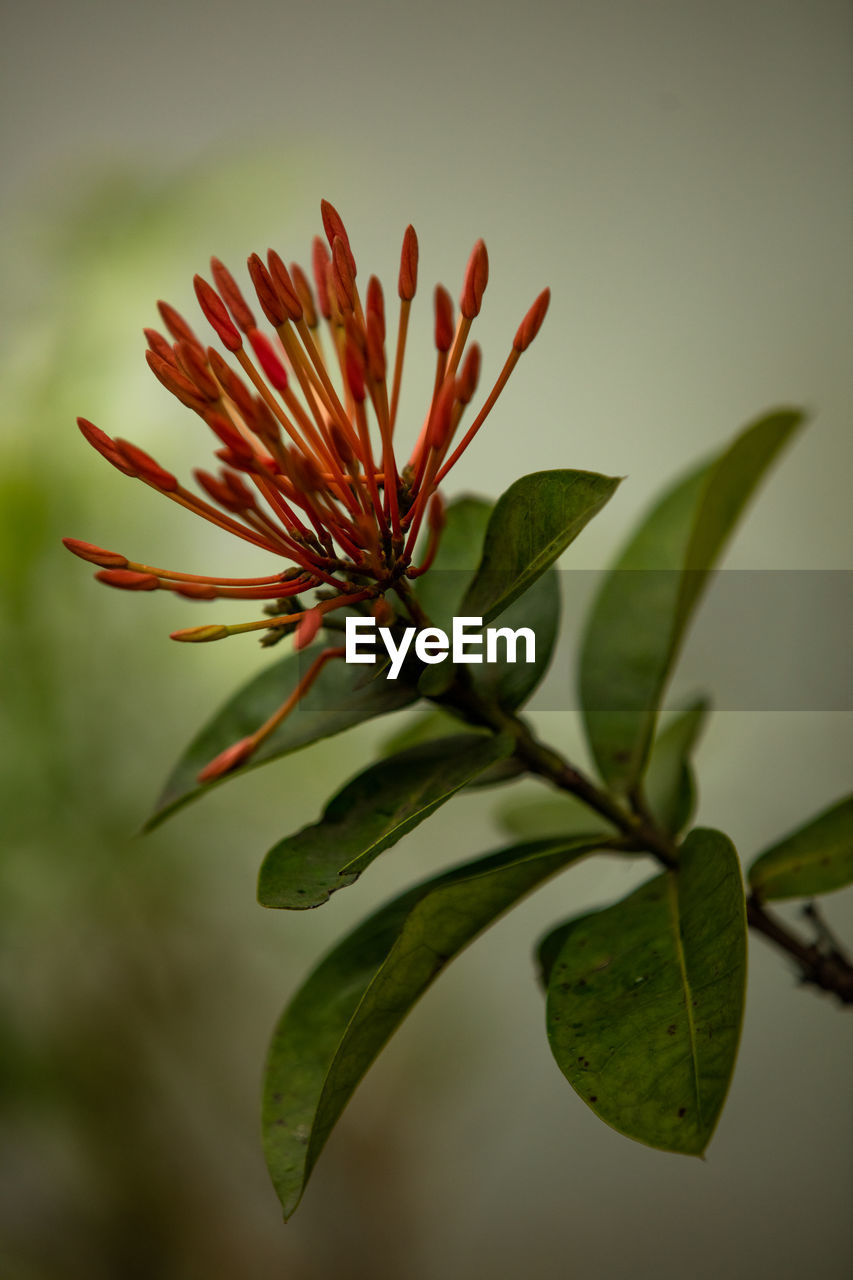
(302, 477)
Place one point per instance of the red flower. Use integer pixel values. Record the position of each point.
(301, 475)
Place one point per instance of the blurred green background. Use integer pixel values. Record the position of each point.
(680, 175)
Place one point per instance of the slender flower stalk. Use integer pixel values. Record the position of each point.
(302, 474)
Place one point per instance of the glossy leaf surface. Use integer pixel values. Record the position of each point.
(640, 615)
(645, 999)
(532, 524)
(670, 787)
(441, 593)
(339, 1020)
(370, 814)
(816, 859)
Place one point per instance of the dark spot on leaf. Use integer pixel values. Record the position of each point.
(622, 756)
(681, 1112)
(670, 1031)
(300, 891)
(593, 1097)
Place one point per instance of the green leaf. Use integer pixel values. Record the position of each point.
(550, 816)
(372, 812)
(438, 723)
(670, 787)
(441, 593)
(816, 859)
(645, 999)
(342, 696)
(669, 791)
(640, 615)
(426, 727)
(531, 525)
(336, 1024)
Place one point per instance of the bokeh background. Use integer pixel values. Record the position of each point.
(680, 174)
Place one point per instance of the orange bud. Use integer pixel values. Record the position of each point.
(105, 446)
(532, 322)
(335, 230)
(241, 493)
(476, 279)
(268, 360)
(354, 362)
(376, 302)
(375, 347)
(408, 279)
(307, 629)
(195, 590)
(382, 612)
(271, 303)
(342, 445)
(95, 555)
(229, 435)
(128, 580)
(320, 261)
(469, 375)
(214, 489)
(304, 472)
(232, 295)
(200, 635)
(233, 385)
(227, 760)
(437, 516)
(284, 286)
(193, 361)
(175, 381)
(343, 276)
(441, 420)
(306, 297)
(175, 323)
(146, 468)
(160, 346)
(216, 314)
(263, 421)
(443, 319)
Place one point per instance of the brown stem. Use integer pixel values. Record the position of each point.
(822, 966)
(827, 968)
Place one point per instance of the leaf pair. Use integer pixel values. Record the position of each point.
(339, 1020)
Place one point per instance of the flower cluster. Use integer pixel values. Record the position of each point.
(301, 476)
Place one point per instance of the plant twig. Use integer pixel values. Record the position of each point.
(819, 966)
(822, 964)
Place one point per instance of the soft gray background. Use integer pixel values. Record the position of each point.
(680, 174)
